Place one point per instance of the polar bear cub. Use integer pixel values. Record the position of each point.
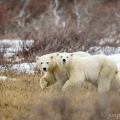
(99, 70)
(53, 74)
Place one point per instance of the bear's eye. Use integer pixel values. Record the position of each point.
(47, 62)
(61, 56)
(41, 62)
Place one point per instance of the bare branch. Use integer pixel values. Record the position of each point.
(116, 14)
(20, 18)
(57, 18)
(76, 11)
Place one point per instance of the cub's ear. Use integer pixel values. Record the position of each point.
(71, 54)
(51, 57)
(37, 58)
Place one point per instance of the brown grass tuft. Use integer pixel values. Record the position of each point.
(23, 99)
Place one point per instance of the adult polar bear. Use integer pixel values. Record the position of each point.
(53, 74)
(99, 70)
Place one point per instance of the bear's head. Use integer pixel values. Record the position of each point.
(63, 59)
(45, 62)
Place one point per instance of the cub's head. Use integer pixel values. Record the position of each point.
(64, 58)
(45, 62)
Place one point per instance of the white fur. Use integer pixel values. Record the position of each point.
(99, 70)
(82, 54)
(53, 74)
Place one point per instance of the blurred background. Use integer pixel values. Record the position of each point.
(30, 28)
(17, 16)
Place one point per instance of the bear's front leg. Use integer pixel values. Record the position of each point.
(76, 80)
(67, 85)
(70, 85)
(43, 83)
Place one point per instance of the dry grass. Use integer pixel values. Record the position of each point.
(23, 99)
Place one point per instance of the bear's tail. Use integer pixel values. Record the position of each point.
(117, 78)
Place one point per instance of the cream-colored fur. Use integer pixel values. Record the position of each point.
(81, 54)
(53, 73)
(99, 70)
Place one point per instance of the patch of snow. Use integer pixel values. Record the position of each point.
(20, 68)
(7, 55)
(117, 50)
(24, 67)
(116, 58)
(106, 40)
(103, 50)
(3, 78)
(10, 47)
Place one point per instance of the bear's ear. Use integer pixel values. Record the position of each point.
(37, 58)
(57, 54)
(71, 54)
(51, 57)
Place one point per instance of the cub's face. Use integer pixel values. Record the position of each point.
(44, 62)
(63, 58)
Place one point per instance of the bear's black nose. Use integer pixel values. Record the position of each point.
(44, 69)
(64, 60)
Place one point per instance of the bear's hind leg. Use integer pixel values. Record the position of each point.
(105, 78)
(104, 85)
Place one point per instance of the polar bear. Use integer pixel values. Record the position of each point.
(99, 70)
(53, 74)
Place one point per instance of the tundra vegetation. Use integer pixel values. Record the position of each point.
(56, 26)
